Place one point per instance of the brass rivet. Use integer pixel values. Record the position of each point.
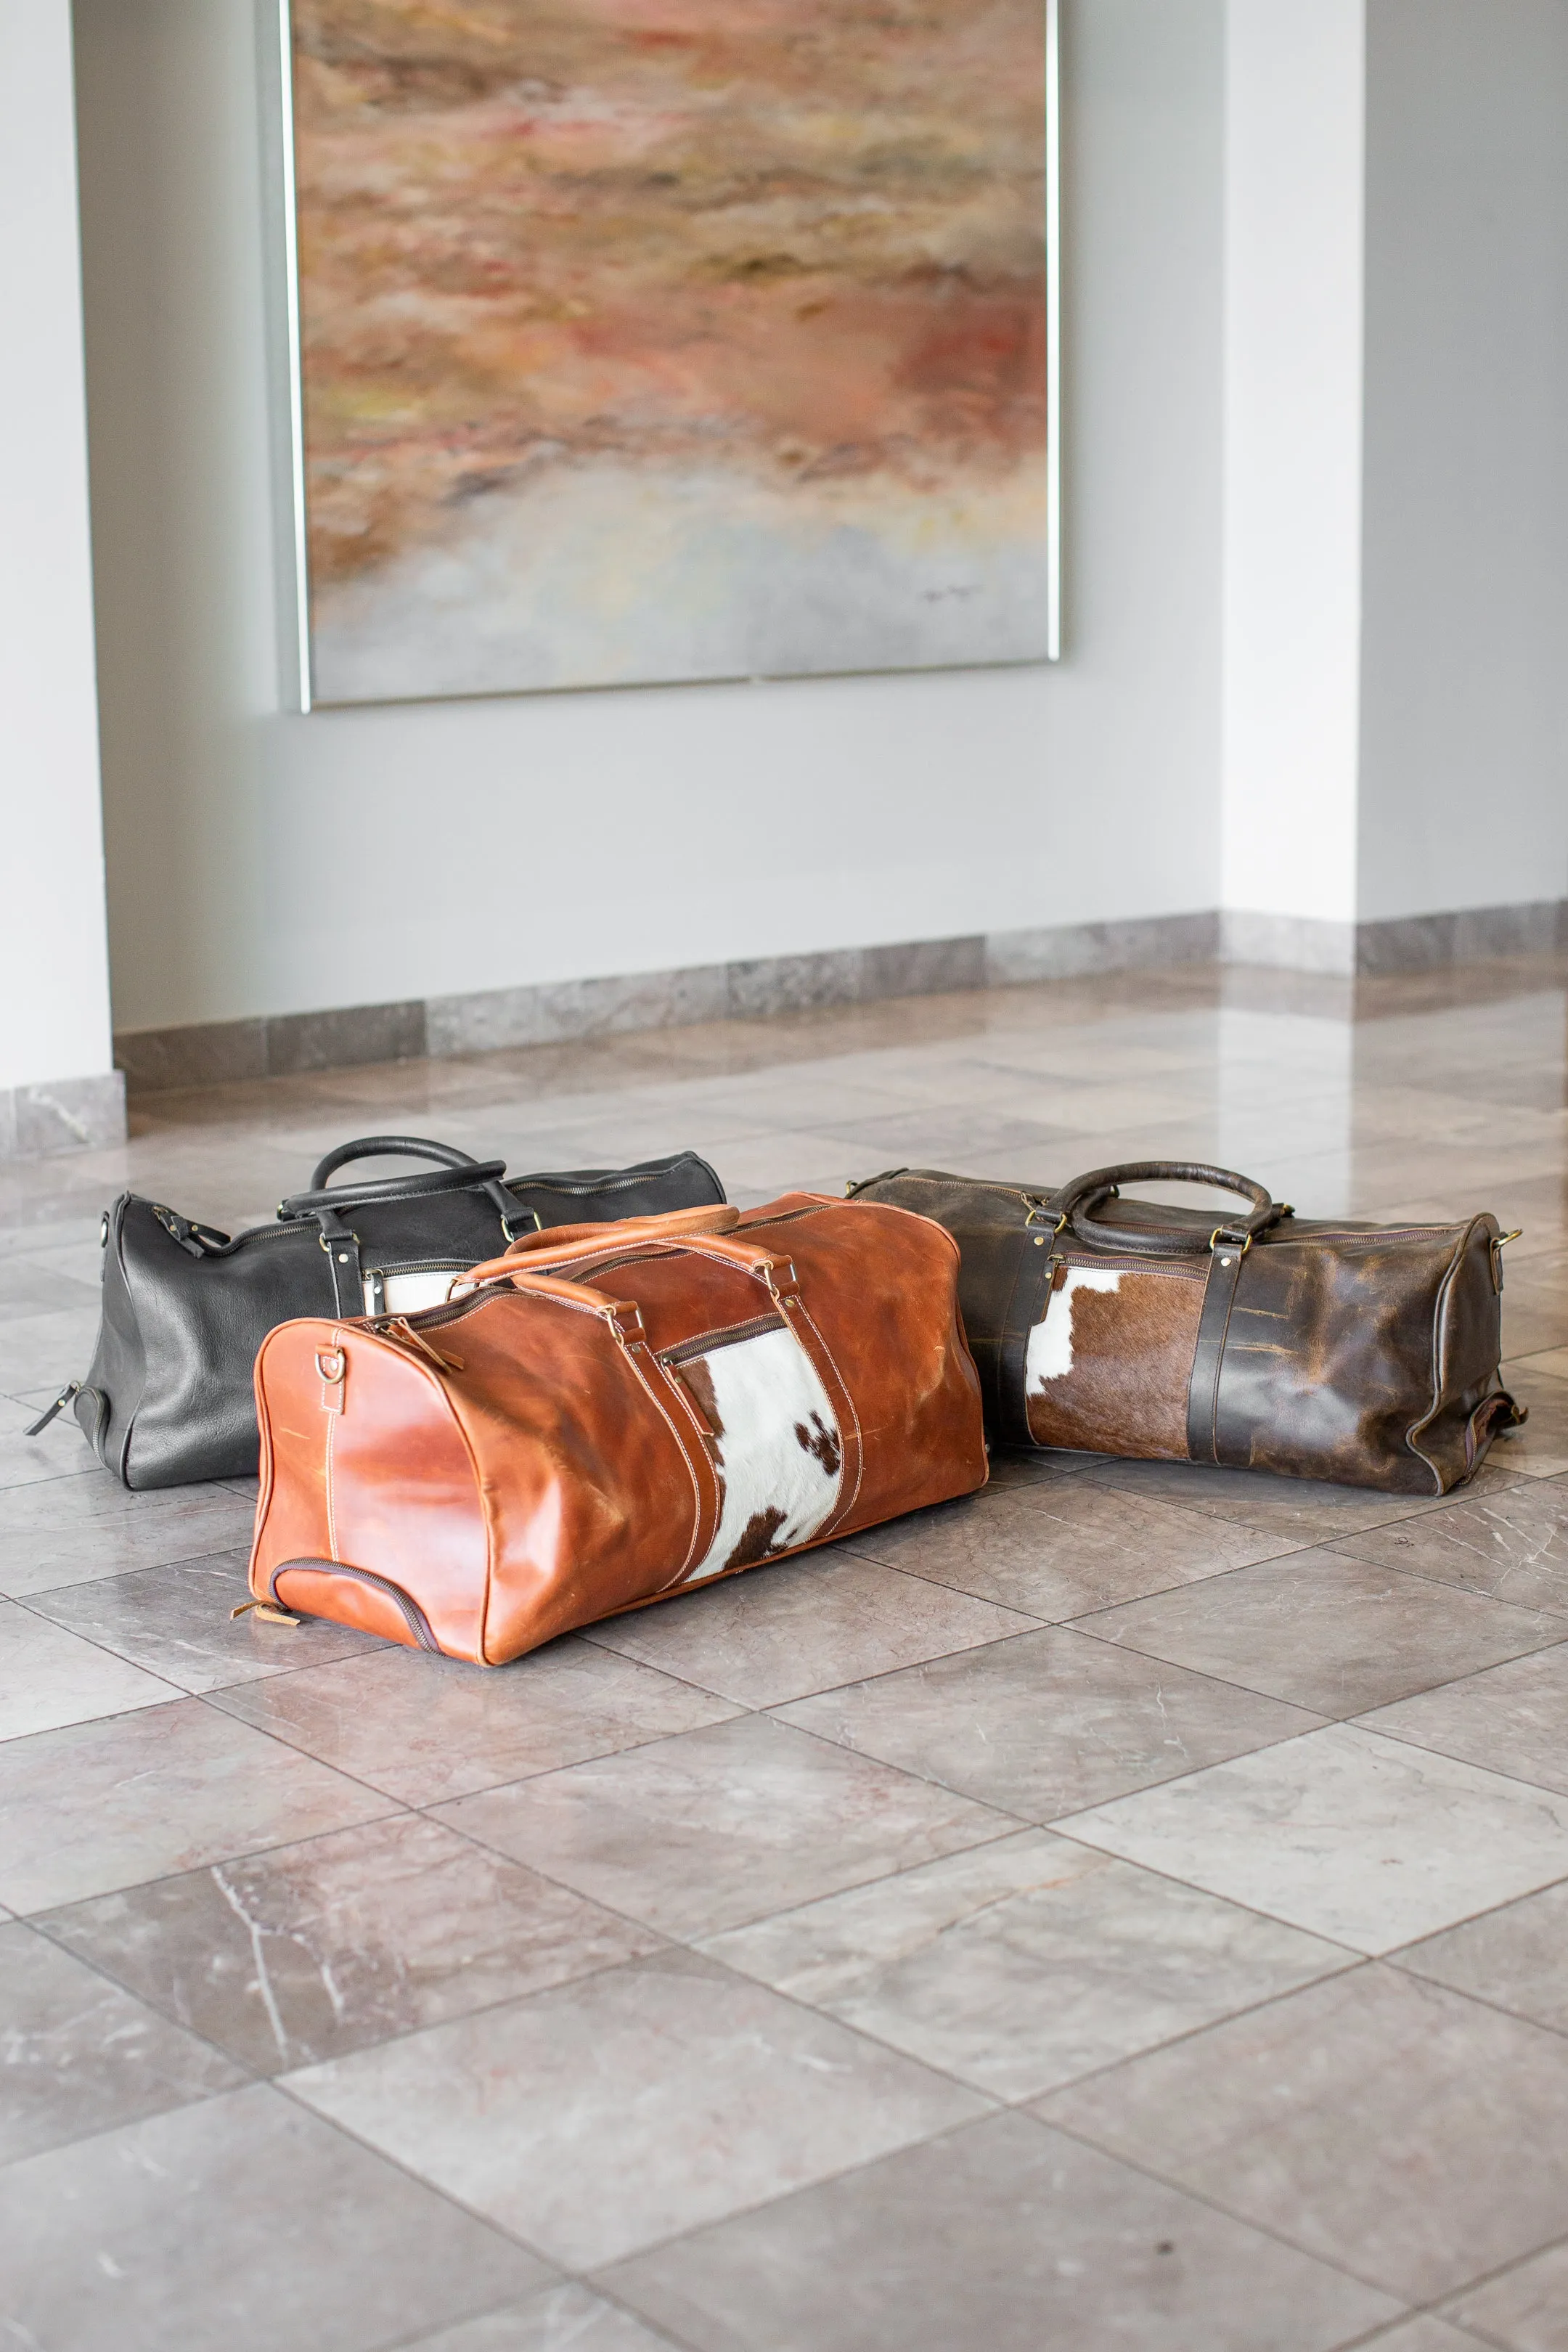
(344, 1258)
(1039, 1241)
(1225, 1260)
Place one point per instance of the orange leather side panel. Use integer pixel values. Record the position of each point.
(372, 1471)
(291, 1507)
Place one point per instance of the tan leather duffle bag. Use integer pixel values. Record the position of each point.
(603, 1417)
(1258, 1341)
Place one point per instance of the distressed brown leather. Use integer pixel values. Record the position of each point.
(1327, 1348)
(603, 1417)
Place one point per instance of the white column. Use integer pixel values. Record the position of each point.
(1464, 708)
(57, 1087)
(1295, 99)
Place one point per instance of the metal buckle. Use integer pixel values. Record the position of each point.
(1240, 1247)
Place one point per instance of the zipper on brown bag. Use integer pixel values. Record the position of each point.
(403, 1334)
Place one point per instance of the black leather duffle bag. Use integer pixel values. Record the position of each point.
(1258, 1341)
(169, 1397)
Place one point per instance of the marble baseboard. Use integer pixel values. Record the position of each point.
(1068, 951)
(556, 1012)
(67, 1115)
(155, 1060)
(1290, 942)
(218, 1053)
(750, 990)
(1470, 935)
(1407, 943)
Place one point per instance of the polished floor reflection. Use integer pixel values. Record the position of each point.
(1124, 1909)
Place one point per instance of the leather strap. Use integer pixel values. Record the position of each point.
(671, 1398)
(774, 1273)
(342, 1256)
(1027, 1303)
(1208, 1358)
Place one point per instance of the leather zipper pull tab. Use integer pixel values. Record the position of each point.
(266, 1611)
(71, 1389)
(401, 1330)
(179, 1230)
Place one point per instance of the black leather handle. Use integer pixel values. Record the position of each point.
(479, 1176)
(456, 1172)
(387, 1147)
(1074, 1203)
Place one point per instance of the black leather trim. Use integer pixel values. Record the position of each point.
(1209, 1357)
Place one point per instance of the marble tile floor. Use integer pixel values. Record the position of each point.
(1127, 1909)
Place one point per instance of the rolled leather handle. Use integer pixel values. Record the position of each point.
(1073, 1203)
(624, 1313)
(690, 1230)
(455, 1172)
(387, 1147)
(669, 1224)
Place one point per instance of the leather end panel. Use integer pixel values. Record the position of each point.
(317, 1593)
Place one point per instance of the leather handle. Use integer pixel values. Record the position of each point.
(479, 1176)
(1074, 1203)
(622, 1241)
(674, 1224)
(623, 1314)
(455, 1172)
(387, 1147)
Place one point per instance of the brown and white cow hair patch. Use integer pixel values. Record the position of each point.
(1108, 1363)
(780, 1451)
(1050, 1341)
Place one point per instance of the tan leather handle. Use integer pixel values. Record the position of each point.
(623, 1313)
(636, 1237)
(673, 1226)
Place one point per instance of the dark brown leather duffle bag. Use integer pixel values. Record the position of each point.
(1326, 1350)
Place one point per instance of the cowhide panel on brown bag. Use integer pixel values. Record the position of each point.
(1107, 1362)
(1362, 1353)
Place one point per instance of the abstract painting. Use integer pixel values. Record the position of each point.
(645, 341)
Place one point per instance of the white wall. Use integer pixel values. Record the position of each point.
(266, 863)
(1294, 96)
(54, 978)
(1465, 716)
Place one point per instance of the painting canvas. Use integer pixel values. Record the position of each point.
(662, 339)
